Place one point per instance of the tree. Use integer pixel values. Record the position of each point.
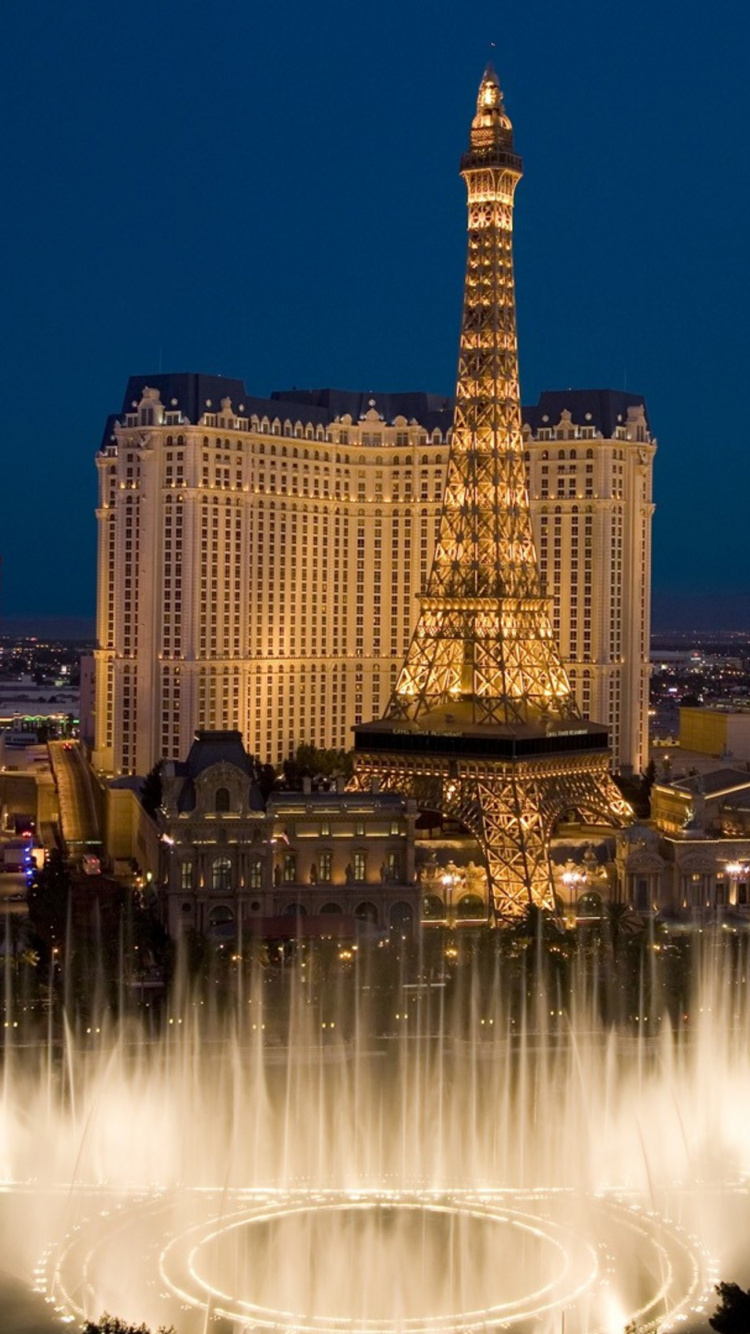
(312, 762)
(48, 898)
(151, 790)
(111, 1324)
(620, 923)
(537, 924)
(732, 1315)
(265, 777)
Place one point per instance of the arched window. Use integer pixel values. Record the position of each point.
(433, 908)
(222, 800)
(401, 917)
(221, 875)
(366, 912)
(329, 908)
(471, 906)
(221, 922)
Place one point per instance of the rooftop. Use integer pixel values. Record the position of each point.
(193, 394)
(714, 784)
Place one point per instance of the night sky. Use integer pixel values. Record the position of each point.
(272, 192)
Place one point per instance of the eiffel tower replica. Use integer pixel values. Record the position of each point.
(482, 725)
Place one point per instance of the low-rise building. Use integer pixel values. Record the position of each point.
(708, 804)
(724, 733)
(299, 863)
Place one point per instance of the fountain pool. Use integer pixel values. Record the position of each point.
(445, 1175)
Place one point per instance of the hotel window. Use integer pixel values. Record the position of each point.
(221, 875)
(290, 868)
(359, 867)
(325, 867)
(186, 875)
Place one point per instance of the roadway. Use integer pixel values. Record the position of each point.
(12, 895)
(76, 792)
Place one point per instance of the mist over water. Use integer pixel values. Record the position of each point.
(333, 1153)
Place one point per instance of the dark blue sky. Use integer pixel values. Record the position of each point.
(271, 191)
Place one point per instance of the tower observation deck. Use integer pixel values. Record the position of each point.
(483, 725)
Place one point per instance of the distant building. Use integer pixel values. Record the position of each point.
(259, 559)
(303, 863)
(724, 733)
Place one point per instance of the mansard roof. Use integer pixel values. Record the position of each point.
(207, 750)
(429, 410)
(604, 409)
(192, 394)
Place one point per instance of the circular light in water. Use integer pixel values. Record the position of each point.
(377, 1261)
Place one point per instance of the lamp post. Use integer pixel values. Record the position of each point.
(574, 882)
(736, 871)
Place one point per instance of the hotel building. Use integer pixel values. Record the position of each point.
(258, 559)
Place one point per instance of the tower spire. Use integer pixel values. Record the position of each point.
(482, 723)
(484, 606)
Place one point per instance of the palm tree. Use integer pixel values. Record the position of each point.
(620, 923)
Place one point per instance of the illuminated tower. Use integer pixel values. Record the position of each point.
(483, 724)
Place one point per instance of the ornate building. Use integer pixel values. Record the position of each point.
(260, 559)
(337, 863)
(258, 562)
(589, 465)
(198, 507)
(482, 724)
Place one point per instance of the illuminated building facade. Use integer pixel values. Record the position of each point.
(260, 560)
(258, 563)
(331, 863)
(589, 467)
(204, 622)
(482, 724)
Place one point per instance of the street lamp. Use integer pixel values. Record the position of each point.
(736, 871)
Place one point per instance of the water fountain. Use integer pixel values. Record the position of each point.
(471, 1170)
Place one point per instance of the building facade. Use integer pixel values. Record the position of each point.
(259, 559)
(235, 865)
(721, 732)
(589, 457)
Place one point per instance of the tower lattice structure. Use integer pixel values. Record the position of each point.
(483, 724)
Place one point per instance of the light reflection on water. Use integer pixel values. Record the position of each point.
(124, 1151)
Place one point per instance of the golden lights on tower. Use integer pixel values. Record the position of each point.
(483, 675)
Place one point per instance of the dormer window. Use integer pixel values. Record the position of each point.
(222, 802)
